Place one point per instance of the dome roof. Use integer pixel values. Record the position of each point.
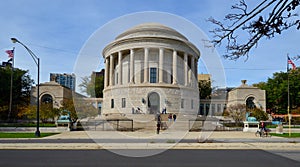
(151, 30)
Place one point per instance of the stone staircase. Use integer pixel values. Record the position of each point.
(140, 122)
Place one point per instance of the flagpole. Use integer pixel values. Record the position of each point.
(11, 85)
(288, 106)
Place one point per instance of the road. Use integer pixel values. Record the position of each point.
(170, 158)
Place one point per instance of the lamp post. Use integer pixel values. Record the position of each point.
(37, 62)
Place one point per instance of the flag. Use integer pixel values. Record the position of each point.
(292, 63)
(10, 53)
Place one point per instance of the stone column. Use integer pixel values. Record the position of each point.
(106, 72)
(185, 69)
(174, 65)
(111, 67)
(131, 75)
(120, 68)
(146, 65)
(192, 80)
(161, 65)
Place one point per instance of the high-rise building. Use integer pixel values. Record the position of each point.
(67, 80)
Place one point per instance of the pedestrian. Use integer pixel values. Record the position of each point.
(174, 117)
(163, 111)
(132, 110)
(158, 125)
(170, 117)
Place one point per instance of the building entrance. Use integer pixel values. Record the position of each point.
(153, 103)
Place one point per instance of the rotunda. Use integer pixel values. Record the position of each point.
(149, 68)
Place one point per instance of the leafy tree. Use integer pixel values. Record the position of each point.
(20, 93)
(259, 114)
(68, 105)
(204, 89)
(237, 112)
(267, 19)
(47, 112)
(277, 91)
(93, 85)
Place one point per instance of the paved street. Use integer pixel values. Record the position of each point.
(170, 158)
(105, 148)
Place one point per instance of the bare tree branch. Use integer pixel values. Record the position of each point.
(267, 19)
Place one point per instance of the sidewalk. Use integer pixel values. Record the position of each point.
(149, 140)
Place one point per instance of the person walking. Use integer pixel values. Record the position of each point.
(174, 117)
(170, 117)
(158, 125)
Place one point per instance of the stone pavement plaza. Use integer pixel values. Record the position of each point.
(149, 140)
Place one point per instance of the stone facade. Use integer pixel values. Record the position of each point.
(150, 66)
(51, 92)
(249, 95)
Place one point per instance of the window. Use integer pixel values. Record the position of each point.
(182, 103)
(123, 102)
(112, 103)
(153, 75)
(192, 104)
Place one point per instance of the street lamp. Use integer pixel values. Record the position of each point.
(37, 62)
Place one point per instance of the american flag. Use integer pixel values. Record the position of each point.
(292, 63)
(10, 53)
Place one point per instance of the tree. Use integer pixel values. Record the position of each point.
(47, 112)
(267, 19)
(93, 85)
(237, 112)
(68, 105)
(20, 93)
(204, 89)
(259, 114)
(277, 91)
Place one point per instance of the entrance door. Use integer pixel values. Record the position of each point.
(153, 103)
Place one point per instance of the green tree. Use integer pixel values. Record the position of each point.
(204, 89)
(266, 19)
(277, 91)
(47, 112)
(20, 93)
(68, 105)
(259, 114)
(93, 85)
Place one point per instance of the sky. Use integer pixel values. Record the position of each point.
(58, 32)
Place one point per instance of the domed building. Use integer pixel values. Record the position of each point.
(150, 67)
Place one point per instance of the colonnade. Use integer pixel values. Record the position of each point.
(112, 60)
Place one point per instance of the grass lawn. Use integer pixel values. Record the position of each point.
(293, 135)
(23, 135)
(26, 125)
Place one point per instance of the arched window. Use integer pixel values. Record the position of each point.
(47, 99)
